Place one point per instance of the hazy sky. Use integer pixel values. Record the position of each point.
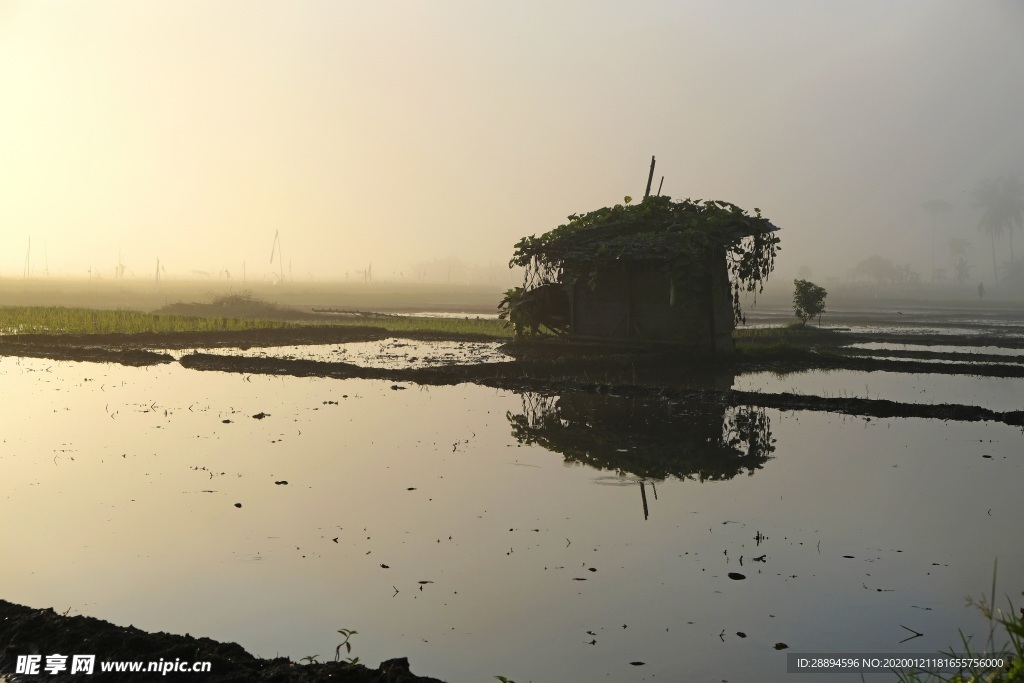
(401, 132)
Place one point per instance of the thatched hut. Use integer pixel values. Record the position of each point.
(659, 272)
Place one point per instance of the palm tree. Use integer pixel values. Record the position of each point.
(934, 207)
(1001, 201)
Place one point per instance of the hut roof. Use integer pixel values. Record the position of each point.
(656, 229)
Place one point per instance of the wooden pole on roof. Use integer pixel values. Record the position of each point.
(650, 178)
(660, 184)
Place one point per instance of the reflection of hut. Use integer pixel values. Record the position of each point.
(654, 273)
(651, 439)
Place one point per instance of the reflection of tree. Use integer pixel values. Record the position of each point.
(650, 439)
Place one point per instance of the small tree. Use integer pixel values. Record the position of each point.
(808, 300)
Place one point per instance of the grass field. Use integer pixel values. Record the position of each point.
(236, 312)
(64, 320)
(57, 320)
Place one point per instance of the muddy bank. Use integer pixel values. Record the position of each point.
(937, 355)
(88, 354)
(24, 630)
(926, 339)
(855, 361)
(616, 368)
(282, 336)
(548, 367)
(564, 376)
(132, 349)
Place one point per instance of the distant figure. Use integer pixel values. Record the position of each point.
(981, 291)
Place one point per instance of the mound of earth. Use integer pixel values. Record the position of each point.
(28, 631)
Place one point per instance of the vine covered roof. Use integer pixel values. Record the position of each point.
(657, 229)
(674, 236)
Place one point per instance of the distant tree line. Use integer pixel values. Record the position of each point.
(885, 272)
(999, 202)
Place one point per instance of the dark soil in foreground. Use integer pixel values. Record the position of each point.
(26, 631)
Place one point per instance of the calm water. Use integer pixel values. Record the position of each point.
(388, 353)
(484, 532)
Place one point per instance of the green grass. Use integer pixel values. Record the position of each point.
(792, 332)
(782, 342)
(58, 320)
(1012, 622)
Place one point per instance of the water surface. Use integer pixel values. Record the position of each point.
(483, 532)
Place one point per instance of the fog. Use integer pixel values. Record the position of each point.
(401, 138)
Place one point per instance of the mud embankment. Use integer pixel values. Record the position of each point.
(283, 336)
(550, 369)
(24, 630)
(135, 349)
(633, 377)
(855, 361)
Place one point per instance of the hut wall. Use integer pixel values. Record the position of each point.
(657, 316)
(602, 312)
(635, 305)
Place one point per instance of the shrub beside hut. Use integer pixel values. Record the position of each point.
(660, 272)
